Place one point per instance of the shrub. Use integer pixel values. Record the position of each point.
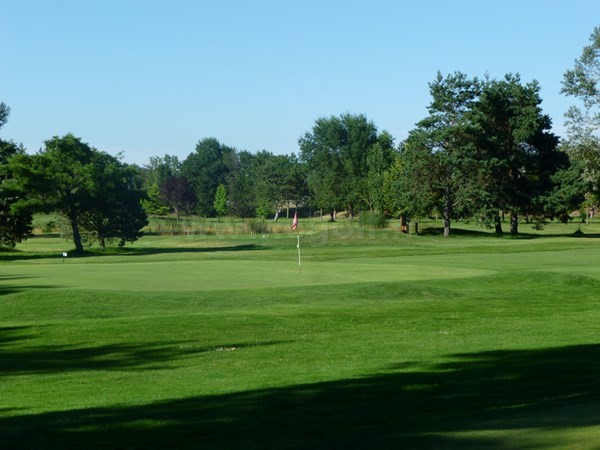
(372, 219)
(539, 225)
(49, 227)
(565, 218)
(256, 226)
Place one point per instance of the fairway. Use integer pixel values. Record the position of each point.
(379, 341)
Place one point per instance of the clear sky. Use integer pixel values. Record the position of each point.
(152, 77)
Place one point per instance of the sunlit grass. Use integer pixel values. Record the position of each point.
(380, 340)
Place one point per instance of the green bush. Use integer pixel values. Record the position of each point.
(539, 225)
(372, 219)
(256, 226)
(49, 227)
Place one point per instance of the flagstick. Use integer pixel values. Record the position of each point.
(299, 260)
(295, 228)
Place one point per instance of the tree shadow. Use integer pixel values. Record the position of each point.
(432, 407)
(13, 289)
(16, 255)
(585, 235)
(167, 250)
(523, 235)
(439, 231)
(13, 334)
(128, 251)
(49, 359)
(15, 277)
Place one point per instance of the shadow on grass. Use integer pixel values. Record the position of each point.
(461, 232)
(585, 235)
(166, 250)
(18, 256)
(468, 233)
(12, 334)
(13, 289)
(49, 359)
(499, 392)
(439, 231)
(15, 255)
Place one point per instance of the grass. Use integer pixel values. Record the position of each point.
(382, 341)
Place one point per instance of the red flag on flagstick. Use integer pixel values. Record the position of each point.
(295, 222)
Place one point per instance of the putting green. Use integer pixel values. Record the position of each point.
(211, 275)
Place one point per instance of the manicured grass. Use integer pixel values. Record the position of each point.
(381, 341)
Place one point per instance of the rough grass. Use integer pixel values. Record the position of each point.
(382, 341)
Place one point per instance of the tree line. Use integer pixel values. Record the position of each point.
(484, 151)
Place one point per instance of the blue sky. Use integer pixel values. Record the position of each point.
(150, 77)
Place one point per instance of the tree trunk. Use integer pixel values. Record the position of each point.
(102, 242)
(417, 227)
(498, 225)
(447, 213)
(446, 227)
(514, 223)
(403, 224)
(76, 233)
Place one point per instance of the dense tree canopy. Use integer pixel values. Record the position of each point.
(206, 169)
(276, 182)
(336, 153)
(241, 185)
(15, 223)
(160, 168)
(89, 188)
(485, 149)
(568, 193)
(177, 192)
(157, 178)
(440, 165)
(518, 152)
(116, 211)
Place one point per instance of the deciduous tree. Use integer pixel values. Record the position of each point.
(206, 169)
(241, 185)
(380, 158)
(79, 182)
(15, 223)
(116, 211)
(583, 121)
(178, 193)
(336, 152)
